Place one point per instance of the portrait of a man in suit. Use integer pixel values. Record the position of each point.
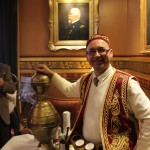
(74, 28)
(148, 22)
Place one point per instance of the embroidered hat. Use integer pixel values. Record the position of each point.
(98, 36)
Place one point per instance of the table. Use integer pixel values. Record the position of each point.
(21, 142)
(24, 142)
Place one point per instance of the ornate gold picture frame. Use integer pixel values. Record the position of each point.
(145, 26)
(59, 24)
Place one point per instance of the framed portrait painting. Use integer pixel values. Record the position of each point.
(71, 23)
(145, 26)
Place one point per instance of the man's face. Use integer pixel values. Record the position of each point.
(98, 55)
(72, 17)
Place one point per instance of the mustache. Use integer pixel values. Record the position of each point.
(100, 58)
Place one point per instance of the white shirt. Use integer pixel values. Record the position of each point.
(138, 103)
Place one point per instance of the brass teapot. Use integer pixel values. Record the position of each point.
(43, 119)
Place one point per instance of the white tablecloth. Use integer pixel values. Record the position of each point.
(21, 142)
(25, 142)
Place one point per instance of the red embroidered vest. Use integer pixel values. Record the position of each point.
(119, 128)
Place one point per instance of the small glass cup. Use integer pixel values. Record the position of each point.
(89, 146)
(74, 139)
(79, 144)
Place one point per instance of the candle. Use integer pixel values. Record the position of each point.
(66, 121)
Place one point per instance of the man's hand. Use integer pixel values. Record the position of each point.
(44, 70)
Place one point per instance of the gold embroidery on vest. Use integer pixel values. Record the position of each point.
(120, 141)
(115, 110)
(115, 124)
(115, 107)
(114, 137)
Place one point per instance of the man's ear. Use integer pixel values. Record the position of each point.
(86, 56)
(111, 53)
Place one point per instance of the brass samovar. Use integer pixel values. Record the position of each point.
(43, 119)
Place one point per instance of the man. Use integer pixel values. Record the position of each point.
(112, 101)
(6, 86)
(76, 29)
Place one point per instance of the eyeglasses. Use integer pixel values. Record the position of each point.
(100, 50)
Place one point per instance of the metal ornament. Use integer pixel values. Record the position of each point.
(43, 119)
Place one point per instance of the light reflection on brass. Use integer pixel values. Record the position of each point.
(43, 119)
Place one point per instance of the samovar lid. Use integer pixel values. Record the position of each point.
(40, 78)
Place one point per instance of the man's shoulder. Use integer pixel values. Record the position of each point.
(86, 76)
(82, 26)
(79, 24)
(122, 72)
(2, 65)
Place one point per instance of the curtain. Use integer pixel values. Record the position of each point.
(8, 33)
